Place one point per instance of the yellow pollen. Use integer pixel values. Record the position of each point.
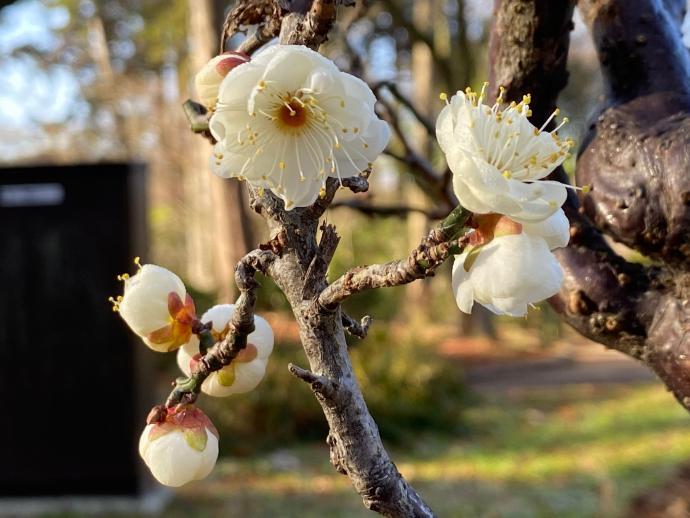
(586, 188)
(137, 261)
(322, 193)
(507, 174)
(123, 277)
(443, 96)
(281, 165)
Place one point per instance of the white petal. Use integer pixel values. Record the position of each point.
(509, 273)
(172, 461)
(462, 285)
(555, 230)
(144, 306)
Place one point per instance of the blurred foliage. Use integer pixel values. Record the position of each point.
(401, 383)
(563, 451)
(408, 387)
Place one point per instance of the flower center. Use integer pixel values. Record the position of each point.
(292, 114)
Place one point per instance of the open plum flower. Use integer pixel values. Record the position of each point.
(289, 119)
(511, 266)
(157, 307)
(247, 370)
(499, 159)
(181, 448)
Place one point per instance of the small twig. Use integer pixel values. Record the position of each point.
(393, 89)
(359, 183)
(242, 324)
(247, 13)
(389, 210)
(316, 273)
(358, 329)
(198, 116)
(320, 385)
(434, 249)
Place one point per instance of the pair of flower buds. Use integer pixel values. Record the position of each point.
(287, 119)
(181, 444)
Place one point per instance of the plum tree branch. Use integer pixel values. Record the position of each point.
(242, 324)
(434, 249)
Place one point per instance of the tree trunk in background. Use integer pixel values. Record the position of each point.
(423, 74)
(219, 229)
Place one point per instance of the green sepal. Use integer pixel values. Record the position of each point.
(196, 438)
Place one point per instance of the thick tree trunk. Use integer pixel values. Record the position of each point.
(635, 159)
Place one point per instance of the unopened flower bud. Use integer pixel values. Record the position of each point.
(181, 448)
(157, 307)
(247, 370)
(208, 80)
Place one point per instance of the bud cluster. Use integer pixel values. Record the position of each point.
(179, 443)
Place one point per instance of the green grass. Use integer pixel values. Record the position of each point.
(573, 451)
(563, 451)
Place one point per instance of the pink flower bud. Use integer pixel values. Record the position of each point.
(208, 80)
(180, 446)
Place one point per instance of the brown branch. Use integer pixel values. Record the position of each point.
(393, 89)
(242, 324)
(427, 178)
(246, 13)
(390, 210)
(310, 29)
(354, 328)
(421, 262)
(300, 271)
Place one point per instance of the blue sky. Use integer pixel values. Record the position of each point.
(30, 90)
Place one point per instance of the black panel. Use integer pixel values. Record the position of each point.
(66, 360)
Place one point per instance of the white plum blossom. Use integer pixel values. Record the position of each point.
(247, 370)
(498, 158)
(511, 266)
(181, 448)
(157, 307)
(555, 230)
(289, 119)
(208, 79)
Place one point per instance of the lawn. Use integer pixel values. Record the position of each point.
(564, 451)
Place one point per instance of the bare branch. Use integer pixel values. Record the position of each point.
(358, 329)
(390, 210)
(322, 259)
(246, 13)
(421, 262)
(393, 89)
(430, 181)
(320, 385)
(242, 324)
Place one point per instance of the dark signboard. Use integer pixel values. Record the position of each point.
(69, 412)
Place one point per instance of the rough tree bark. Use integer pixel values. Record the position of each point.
(635, 158)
